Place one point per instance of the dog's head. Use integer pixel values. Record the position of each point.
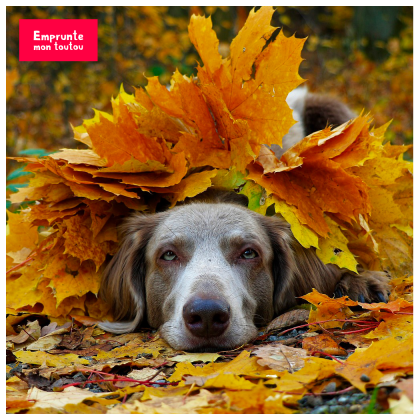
(205, 274)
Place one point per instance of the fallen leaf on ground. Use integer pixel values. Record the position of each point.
(322, 343)
(280, 357)
(196, 357)
(402, 406)
(289, 319)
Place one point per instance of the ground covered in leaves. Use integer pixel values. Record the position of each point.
(337, 357)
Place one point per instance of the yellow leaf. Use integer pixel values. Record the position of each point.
(396, 326)
(64, 284)
(305, 236)
(241, 365)
(80, 243)
(190, 186)
(21, 234)
(221, 380)
(315, 369)
(58, 400)
(380, 356)
(52, 360)
(196, 357)
(205, 42)
(171, 404)
(81, 157)
(334, 249)
(248, 44)
(261, 102)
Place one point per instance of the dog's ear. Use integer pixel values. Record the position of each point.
(123, 281)
(296, 270)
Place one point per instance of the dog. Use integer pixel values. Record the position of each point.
(209, 273)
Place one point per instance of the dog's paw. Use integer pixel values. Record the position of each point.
(367, 287)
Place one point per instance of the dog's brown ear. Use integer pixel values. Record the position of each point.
(296, 270)
(123, 281)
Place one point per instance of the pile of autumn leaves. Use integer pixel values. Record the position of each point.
(342, 191)
(139, 373)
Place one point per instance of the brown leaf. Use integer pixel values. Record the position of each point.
(89, 351)
(45, 343)
(146, 374)
(280, 357)
(34, 380)
(323, 343)
(288, 319)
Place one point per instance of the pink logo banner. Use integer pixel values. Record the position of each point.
(58, 40)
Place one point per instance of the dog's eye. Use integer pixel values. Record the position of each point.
(249, 254)
(169, 256)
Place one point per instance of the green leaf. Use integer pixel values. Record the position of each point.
(34, 152)
(228, 180)
(15, 187)
(256, 196)
(18, 173)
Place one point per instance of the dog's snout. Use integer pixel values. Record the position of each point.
(206, 317)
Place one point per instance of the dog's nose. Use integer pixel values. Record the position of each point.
(206, 317)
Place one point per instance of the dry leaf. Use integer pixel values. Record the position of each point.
(58, 400)
(196, 357)
(289, 319)
(280, 357)
(402, 406)
(146, 374)
(380, 356)
(46, 359)
(322, 343)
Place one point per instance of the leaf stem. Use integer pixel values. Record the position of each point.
(328, 355)
(120, 380)
(28, 259)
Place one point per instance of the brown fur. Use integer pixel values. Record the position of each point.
(321, 111)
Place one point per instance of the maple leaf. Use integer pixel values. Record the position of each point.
(366, 365)
(43, 358)
(394, 306)
(171, 404)
(48, 400)
(397, 326)
(281, 358)
(327, 308)
(323, 343)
